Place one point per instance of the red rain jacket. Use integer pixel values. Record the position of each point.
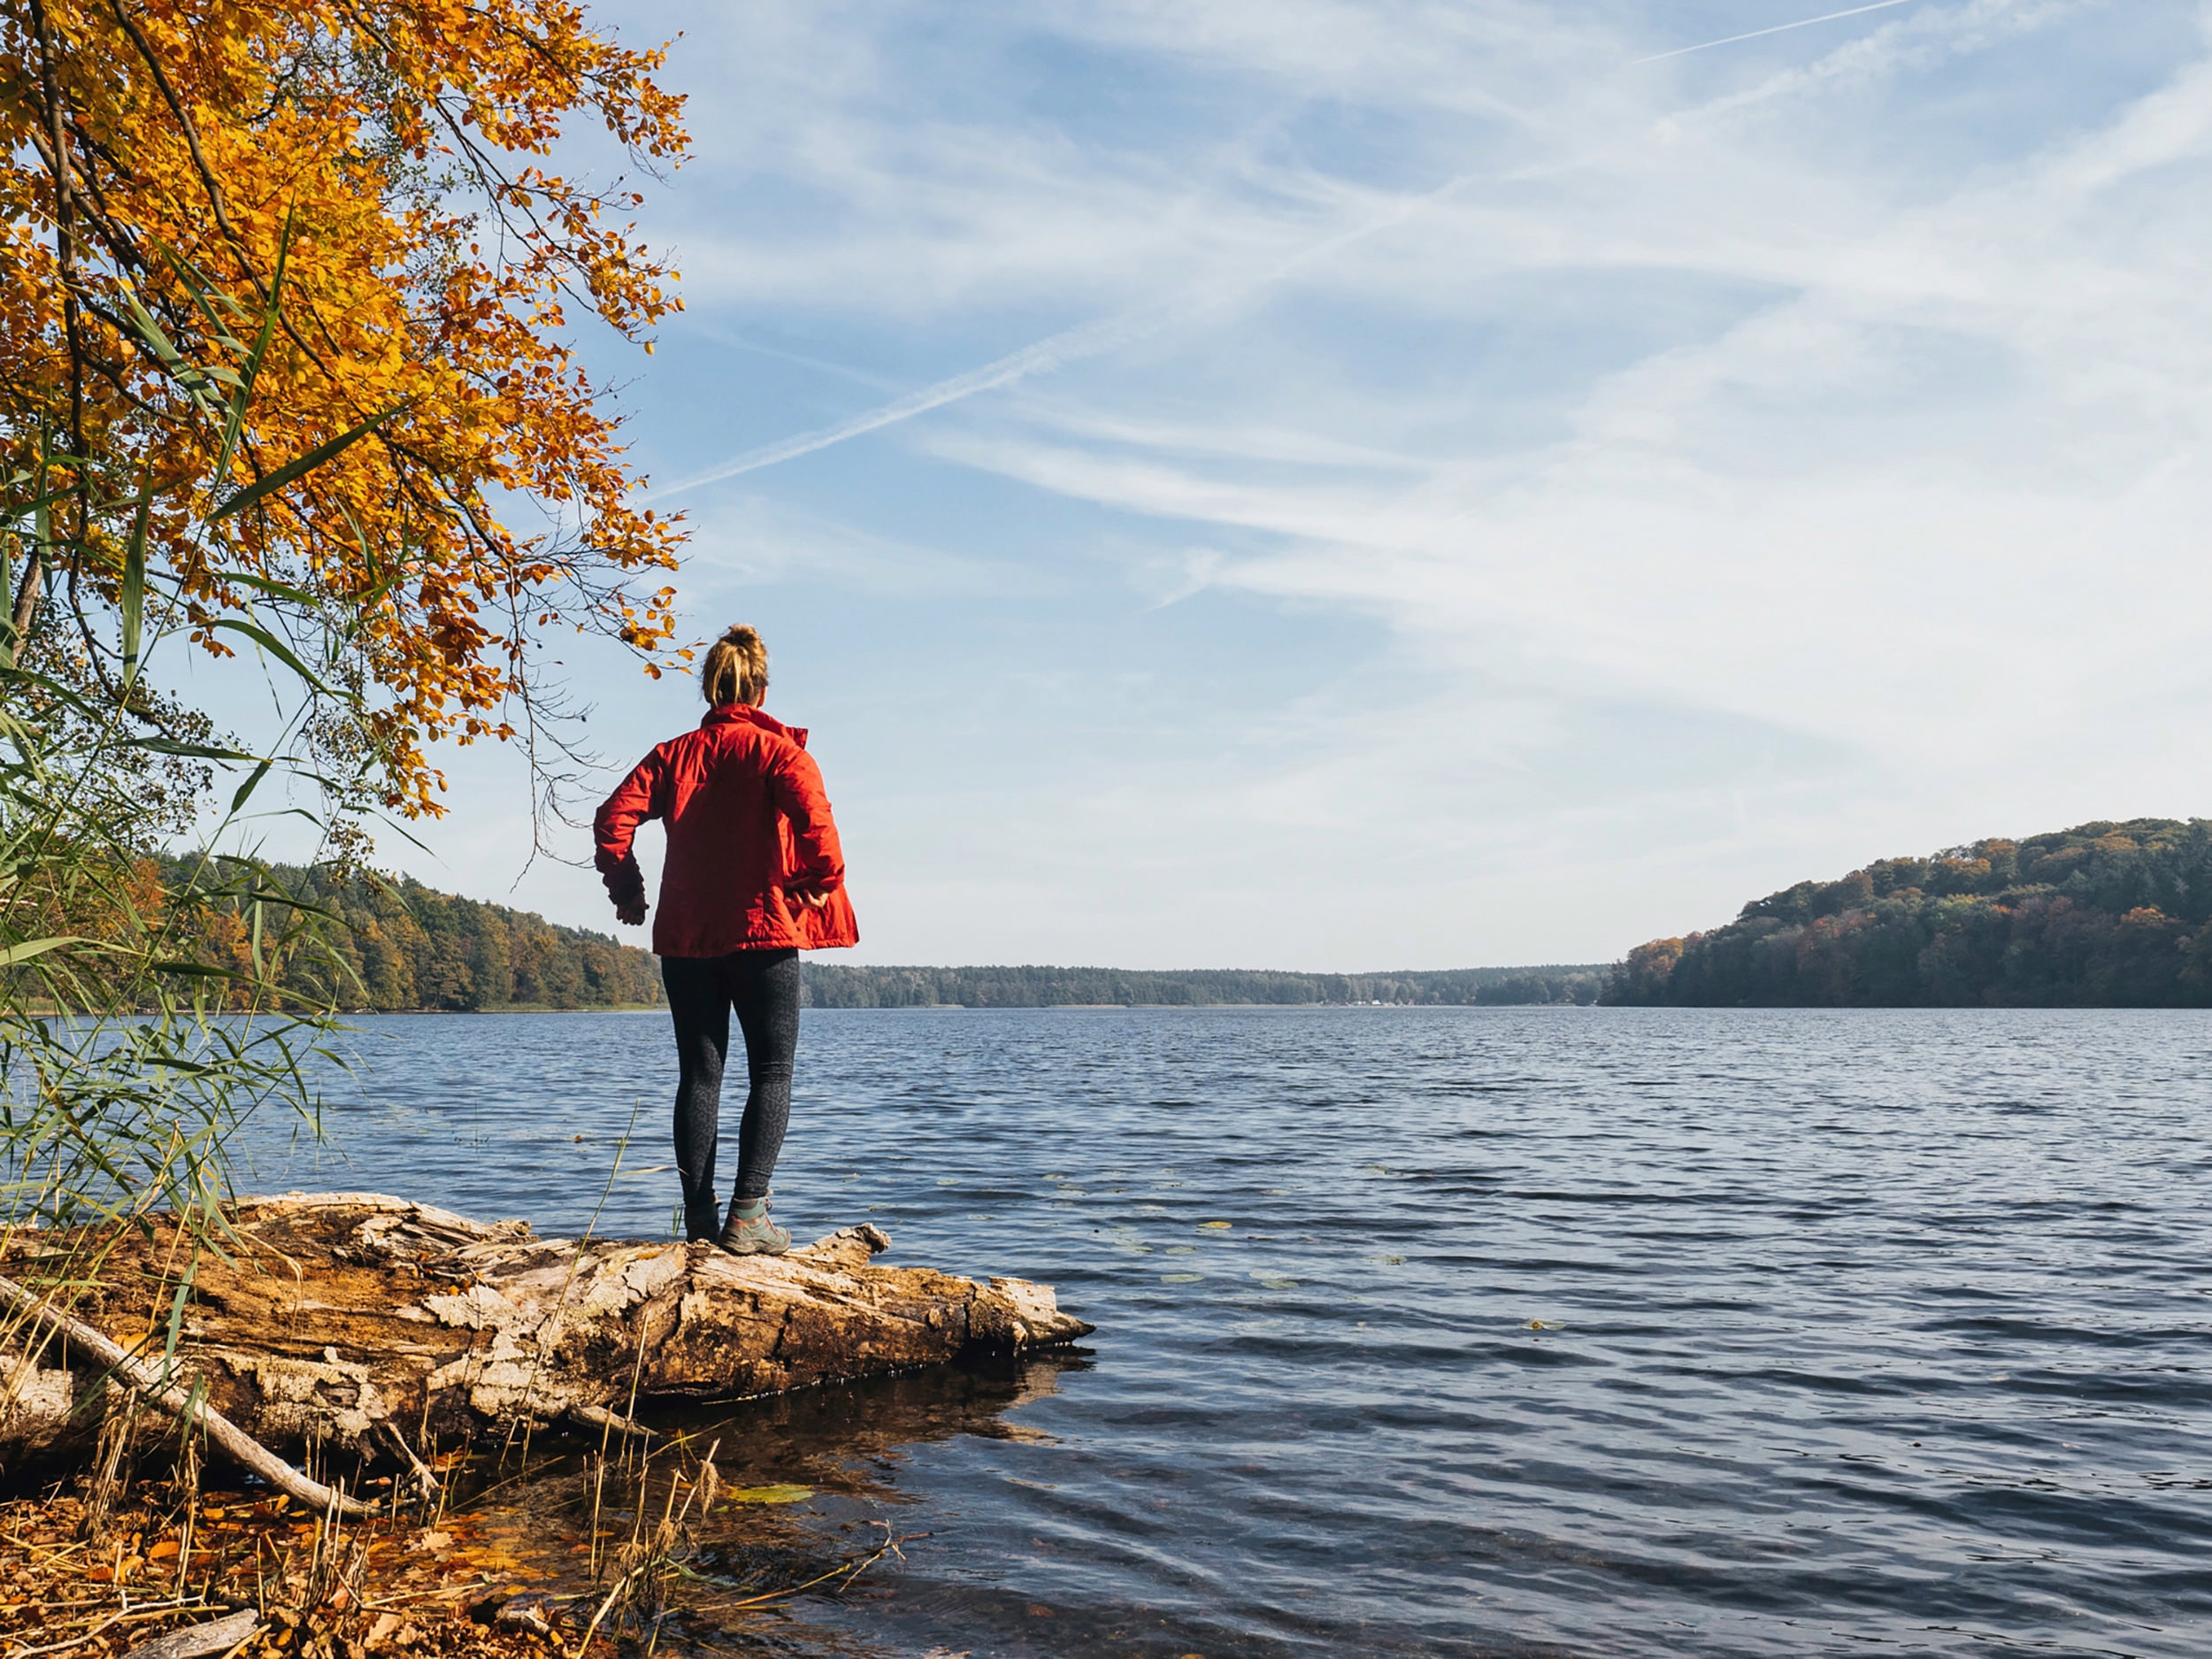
(747, 820)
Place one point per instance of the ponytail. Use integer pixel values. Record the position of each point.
(736, 669)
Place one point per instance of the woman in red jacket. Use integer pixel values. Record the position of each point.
(754, 876)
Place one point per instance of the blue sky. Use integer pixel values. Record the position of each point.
(1326, 485)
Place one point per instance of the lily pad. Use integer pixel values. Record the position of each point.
(1180, 1278)
(1215, 1226)
(771, 1494)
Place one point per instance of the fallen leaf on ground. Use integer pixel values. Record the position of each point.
(771, 1494)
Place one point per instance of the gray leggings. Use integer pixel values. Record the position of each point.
(764, 987)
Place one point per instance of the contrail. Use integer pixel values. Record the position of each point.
(1779, 28)
(1095, 339)
(1070, 345)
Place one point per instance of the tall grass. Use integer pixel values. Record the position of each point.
(144, 1013)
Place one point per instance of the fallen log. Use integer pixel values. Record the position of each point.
(375, 1324)
(171, 1392)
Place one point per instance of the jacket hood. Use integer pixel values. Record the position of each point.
(744, 713)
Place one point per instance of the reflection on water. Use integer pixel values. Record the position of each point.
(1446, 1331)
(815, 1475)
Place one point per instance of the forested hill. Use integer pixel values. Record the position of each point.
(2104, 915)
(412, 948)
(839, 985)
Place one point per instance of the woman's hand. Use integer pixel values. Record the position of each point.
(630, 915)
(812, 898)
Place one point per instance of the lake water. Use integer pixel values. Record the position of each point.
(1532, 1330)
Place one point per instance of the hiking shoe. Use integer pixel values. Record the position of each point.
(702, 1222)
(748, 1232)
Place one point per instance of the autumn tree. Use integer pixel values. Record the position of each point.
(350, 208)
(2102, 915)
(290, 301)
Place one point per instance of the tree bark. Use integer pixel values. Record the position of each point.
(173, 1395)
(356, 1320)
(26, 599)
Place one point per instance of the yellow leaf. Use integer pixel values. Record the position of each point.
(771, 1494)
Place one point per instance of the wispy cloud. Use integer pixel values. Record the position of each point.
(1909, 412)
(1755, 458)
(1070, 345)
(1362, 218)
(741, 542)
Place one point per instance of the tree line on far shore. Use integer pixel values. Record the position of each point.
(388, 944)
(406, 947)
(2103, 915)
(840, 985)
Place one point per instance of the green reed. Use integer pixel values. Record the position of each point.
(151, 1005)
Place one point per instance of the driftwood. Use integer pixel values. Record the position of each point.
(197, 1642)
(169, 1390)
(371, 1324)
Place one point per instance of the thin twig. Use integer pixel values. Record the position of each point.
(851, 1569)
(592, 1629)
(132, 1616)
(422, 1595)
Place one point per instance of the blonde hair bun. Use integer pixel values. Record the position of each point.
(736, 669)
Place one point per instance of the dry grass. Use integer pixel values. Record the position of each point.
(90, 1580)
(617, 1568)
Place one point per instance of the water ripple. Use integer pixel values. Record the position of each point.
(1530, 1332)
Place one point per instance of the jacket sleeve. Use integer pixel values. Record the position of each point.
(637, 798)
(796, 782)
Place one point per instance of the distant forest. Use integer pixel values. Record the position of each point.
(2103, 915)
(410, 947)
(840, 985)
(2106, 915)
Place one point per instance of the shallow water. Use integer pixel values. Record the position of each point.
(1532, 1331)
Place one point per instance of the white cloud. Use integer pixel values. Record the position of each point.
(751, 540)
(1755, 461)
